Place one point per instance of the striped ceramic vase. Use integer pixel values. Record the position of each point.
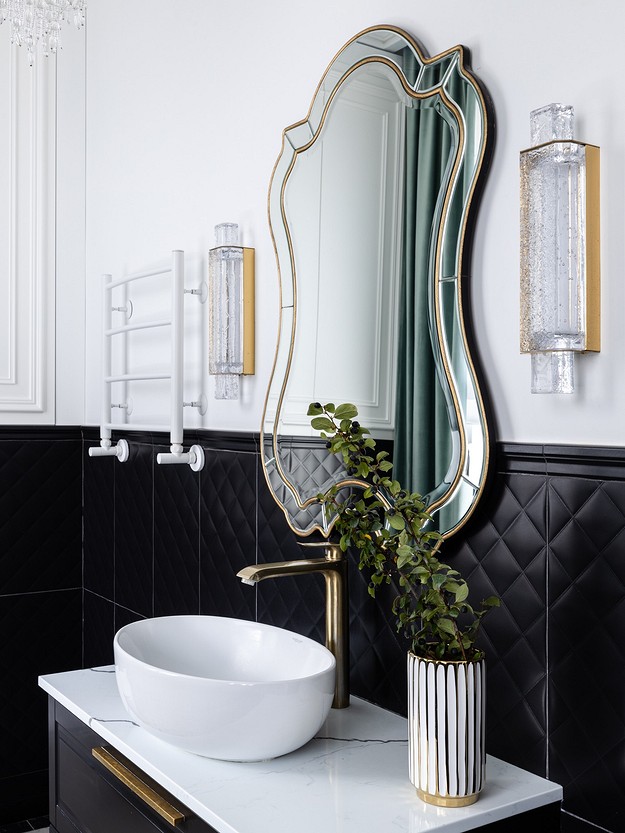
(446, 711)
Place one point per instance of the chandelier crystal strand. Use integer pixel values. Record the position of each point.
(39, 22)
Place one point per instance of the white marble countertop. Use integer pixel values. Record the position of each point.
(352, 777)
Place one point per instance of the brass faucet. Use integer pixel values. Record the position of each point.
(333, 567)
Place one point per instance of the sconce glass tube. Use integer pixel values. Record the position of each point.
(231, 311)
(559, 249)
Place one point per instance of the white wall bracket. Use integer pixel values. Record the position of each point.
(194, 458)
(107, 449)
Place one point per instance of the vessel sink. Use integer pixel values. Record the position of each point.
(224, 688)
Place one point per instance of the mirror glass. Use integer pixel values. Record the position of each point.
(371, 206)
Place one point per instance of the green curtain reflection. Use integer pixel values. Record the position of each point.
(422, 429)
(424, 419)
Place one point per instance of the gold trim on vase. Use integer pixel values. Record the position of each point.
(446, 800)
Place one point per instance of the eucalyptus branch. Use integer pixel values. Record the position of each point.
(391, 531)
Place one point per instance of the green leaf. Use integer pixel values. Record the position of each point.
(396, 521)
(438, 581)
(322, 423)
(447, 626)
(403, 560)
(346, 411)
(314, 409)
(491, 601)
(462, 592)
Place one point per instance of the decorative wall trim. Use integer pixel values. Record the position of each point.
(568, 460)
(27, 374)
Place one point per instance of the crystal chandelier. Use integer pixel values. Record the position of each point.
(39, 21)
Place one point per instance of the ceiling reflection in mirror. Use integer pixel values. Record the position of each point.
(370, 205)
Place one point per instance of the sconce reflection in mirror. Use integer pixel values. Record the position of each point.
(231, 313)
(560, 264)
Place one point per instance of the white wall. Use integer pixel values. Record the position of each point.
(185, 107)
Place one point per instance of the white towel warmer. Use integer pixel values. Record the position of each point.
(195, 456)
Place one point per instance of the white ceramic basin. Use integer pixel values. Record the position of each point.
(224, 688)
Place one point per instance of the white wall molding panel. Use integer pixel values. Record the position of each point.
(27, 237)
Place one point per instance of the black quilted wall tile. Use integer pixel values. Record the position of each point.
(98, 630)
(176, 539)
(40, 514)
(573, 824)
(377, 651)
(41, 634)
(123, 616)
(504, 554)
(549, 548)
(586, 649)
(297, 604)
(99, 522)
(227, 532)
(134, 530)
(23, 795)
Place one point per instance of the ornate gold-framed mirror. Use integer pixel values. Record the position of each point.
(371, 209)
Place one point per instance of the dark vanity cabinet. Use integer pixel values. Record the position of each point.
(86, 796)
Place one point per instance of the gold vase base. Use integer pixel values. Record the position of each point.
(448, 800)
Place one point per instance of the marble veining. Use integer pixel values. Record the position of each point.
(352, 776)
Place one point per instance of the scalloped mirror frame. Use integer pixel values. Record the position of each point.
(303, 513)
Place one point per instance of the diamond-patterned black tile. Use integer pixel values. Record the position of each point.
(21, 796)
(176, 539)
(123, 616)
(227, 532)
(40, 515)
(512, 565)
(572, 824)
(98, 630)
(586, 650)
(41, 634)
(99, 522)
(157, 514)
(134, 530)
(276, 540)
(378, 652)
(297, 604)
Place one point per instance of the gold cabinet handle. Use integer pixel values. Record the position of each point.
(133, 781)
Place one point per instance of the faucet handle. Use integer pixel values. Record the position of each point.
(332, 551)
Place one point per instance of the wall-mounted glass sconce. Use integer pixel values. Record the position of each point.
(560, 266)
(231, 315)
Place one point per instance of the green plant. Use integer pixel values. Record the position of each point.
(388, 527)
